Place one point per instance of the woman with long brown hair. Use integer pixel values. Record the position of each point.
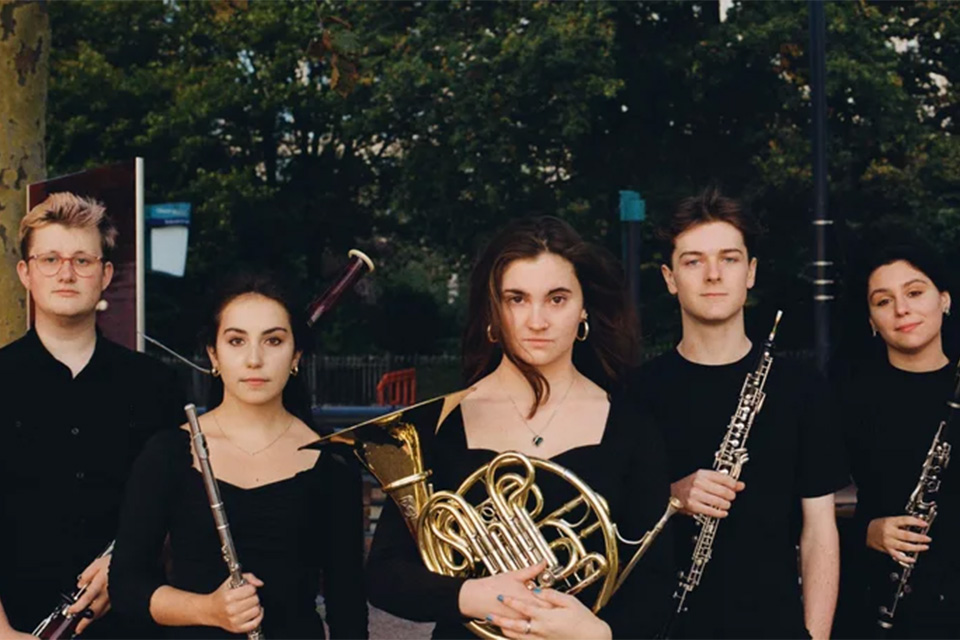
(549, 339)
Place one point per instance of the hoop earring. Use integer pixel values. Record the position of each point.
(295, 369)
(586, 331)
(490, 334)
(215, 372)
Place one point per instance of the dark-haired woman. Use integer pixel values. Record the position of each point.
(893, 409)
(292, 513)
(545, 307)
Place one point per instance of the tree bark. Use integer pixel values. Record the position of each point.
(24, 55)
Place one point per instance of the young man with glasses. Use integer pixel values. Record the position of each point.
(75, 410)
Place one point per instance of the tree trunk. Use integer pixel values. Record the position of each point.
(24, 55)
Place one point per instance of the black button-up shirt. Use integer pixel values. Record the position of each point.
(66, 447)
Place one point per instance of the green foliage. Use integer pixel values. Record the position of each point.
(414, 130)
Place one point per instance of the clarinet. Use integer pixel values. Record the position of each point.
(922, 503)
(216, 506)
(729, 460)
(60, 624)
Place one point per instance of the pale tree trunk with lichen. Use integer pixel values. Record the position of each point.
(24, 55)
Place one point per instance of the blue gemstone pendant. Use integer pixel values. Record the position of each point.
(537, 441)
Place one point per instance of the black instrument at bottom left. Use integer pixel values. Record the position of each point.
(61, 624)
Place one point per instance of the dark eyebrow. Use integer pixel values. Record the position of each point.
(905, 284)
(731, 251)
(553, 291)
(236, 330)
(690, 253)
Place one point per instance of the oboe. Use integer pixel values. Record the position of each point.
(216, 506)
(60, 624)
(922, 502)
(729, 460)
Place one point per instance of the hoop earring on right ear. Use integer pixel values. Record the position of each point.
(215, 372)
(490, 334)
(586, 331)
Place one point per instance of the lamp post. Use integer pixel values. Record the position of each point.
(822, 268)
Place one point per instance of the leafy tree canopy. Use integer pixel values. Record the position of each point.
(414, 130)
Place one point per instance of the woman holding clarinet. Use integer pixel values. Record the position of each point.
(292, 513)
(895, 406)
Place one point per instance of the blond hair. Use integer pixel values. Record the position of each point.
(71, 211)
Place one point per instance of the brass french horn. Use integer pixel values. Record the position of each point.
(508, 529)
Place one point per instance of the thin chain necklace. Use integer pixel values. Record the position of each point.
(537, 439)
(262, 449)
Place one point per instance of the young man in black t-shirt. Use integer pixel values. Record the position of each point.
(75, 410)
(784, 497)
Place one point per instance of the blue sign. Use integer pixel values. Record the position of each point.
(169, 225)
(632, 207)
(168, 214)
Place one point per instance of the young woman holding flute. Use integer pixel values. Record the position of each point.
(293, 513)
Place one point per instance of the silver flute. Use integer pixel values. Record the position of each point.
(923, 504)
(216, 506)
(729, 460)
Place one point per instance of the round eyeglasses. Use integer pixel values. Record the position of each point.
(83, 264)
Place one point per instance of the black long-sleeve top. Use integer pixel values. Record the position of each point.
(285, 533)
(627, 468)
(67, 444)
(891, 417)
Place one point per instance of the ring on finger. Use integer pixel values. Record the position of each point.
(526, 631)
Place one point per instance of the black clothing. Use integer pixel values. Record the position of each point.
(626, 468)
(891, 417)
(66, 448)
(285, 532)
(750, 587)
